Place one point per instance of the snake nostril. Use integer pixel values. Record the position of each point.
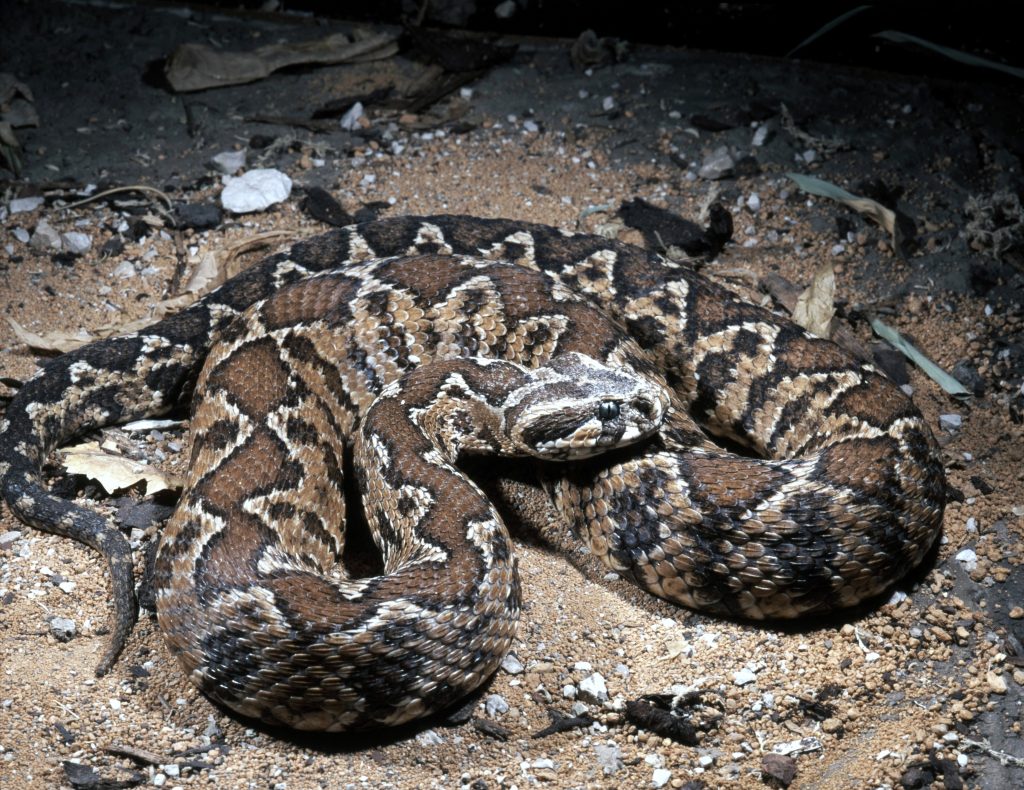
(644, 407)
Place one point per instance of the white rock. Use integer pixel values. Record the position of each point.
(45, 237)
(21, 205)
(512, 664)
(76, 241)
(229, 162)
(743, 677)
(255, 191)
(969, 559)
(593, 688)
(495, 705)
(21, 235)
(350, 120)
(124, 270)
(660, 777)
(950, 422)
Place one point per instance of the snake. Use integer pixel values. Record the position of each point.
(703, 447)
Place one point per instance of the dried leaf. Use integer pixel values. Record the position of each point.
(60, 342)
(872, 209)
(929, 368)
(814, 307)
(826, 28)
(953, 54)
(207, 275)
(114, 472)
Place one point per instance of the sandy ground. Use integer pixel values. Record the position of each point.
(927, 684)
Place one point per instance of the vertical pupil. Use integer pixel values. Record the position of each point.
(608, 410)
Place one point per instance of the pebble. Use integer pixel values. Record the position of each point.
(968, 558)
(21, 205)
(997, 683)
(21, 235)
(743, 677)
(256, 190)
(832, 725)
(159, 780)
(45, 237)
(609, 757)
(429, 738)
(229, 162)
(495, 705)
(569, 691)
(593, 688)
(660, 777)
(718, 164)
(350, 120)
(62, 628)
(754, 202)
(950, 422)
(510, 663)
(76, 242)
(124, 270)
(7, 538)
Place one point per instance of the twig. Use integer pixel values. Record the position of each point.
(117, 190)
(983, 746)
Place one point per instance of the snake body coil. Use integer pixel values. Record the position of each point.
(846, 497)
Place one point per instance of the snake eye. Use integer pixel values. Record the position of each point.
(608, 410)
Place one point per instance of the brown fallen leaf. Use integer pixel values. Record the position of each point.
(814, 307)
(115, 472)
(194, 67)
(50, 342)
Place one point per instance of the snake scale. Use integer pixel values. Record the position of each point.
(840, 492)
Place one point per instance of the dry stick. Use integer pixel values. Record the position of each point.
(117, 190)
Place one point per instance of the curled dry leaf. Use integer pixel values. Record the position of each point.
(207, 274)
(51, 342)
(814, 307)
(114, 472)
(872, 209)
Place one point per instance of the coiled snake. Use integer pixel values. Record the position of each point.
(845, 496)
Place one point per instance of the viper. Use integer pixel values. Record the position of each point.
(837, 492)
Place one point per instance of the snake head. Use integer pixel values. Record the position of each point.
(575, 406)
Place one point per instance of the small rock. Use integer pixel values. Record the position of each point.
(495, 705)
(968, 375)
(706, 761)
(968, 558)
(255, 191)
(76, 242)
(505, 9)
(569, 691)
(718, 164)
(512, 665)
(429, 738)
(45, 237)
(593, 688)
(743, 677)
(229, 162)
(609, 757)
(997, 683)
(832, 725)
(350, 120)
(779, 767)
(62, 628)
(660, 777)
(21, 205)
(950, 422)
(8, 538)
(754, 202)
(21, 235)
(198, 216)
(583, 666)
(1016, 613)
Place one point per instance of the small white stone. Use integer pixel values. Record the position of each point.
(607, 104)
(255, 191)
(21, 205)
(350, 120)
(872, 657)
(229, 162)
(660, 777)
(512, 664)
(495, 705)
(45, 237)
(706, 761)
(593, 688)
(950, 422)
(968, 558)
(115, 704)
(743, 677)
(159, 780)
(76, 242)
(21, 235)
